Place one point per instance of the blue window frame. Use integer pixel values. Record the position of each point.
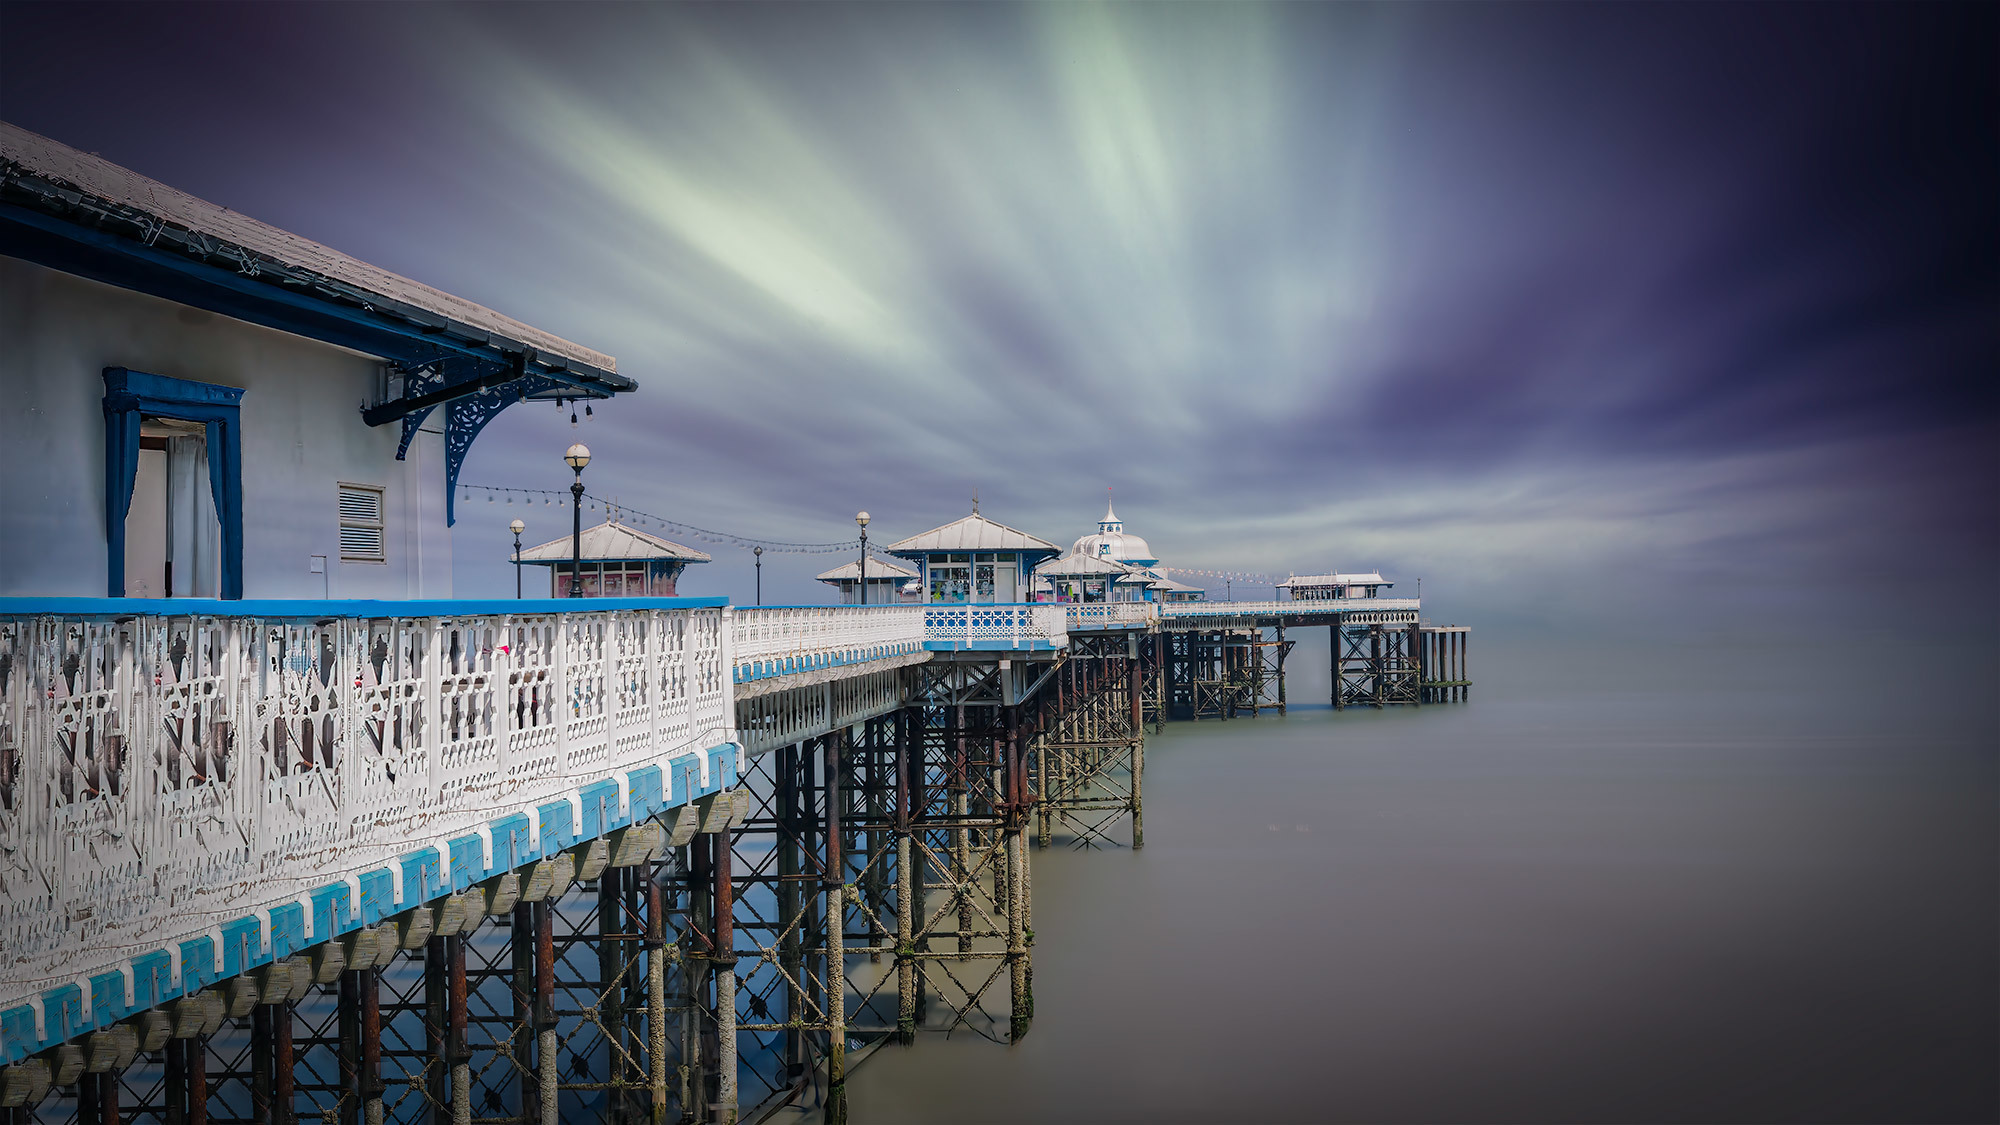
(129, 397)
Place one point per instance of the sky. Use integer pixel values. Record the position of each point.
(1576, 312)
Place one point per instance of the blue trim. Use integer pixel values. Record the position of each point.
(556, 826)
(332, 912)
(323, 610)
(128, 397)
(990, 646)
(288, 930)
(751, 671)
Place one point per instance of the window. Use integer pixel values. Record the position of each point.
(362, 536)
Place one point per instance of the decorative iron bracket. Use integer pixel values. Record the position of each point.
(465, 417)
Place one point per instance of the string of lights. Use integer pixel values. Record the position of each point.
(638, 518)
(1235, 575)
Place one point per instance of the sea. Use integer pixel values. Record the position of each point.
(1713, 884)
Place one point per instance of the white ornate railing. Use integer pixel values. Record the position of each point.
(189, 789)
(1110, 615)
(993, 627)
(1359, 611)
(771, 641)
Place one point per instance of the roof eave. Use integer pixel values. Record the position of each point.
(77, 232)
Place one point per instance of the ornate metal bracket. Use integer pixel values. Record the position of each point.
(465, 417)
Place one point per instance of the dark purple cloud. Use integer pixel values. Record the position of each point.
(1610, 295)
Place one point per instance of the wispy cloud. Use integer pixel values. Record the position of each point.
(1517, 298)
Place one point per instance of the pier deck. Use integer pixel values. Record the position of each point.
(233, 811)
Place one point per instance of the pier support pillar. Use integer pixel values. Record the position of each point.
(1334, 641)
(834, 884)
(1377, 675)
(698, 1045)
(909, 890)
(437, 1023)
(261, 1050)
(791, 870)
(656, 995)
(197, 1080)
(368, 1080)
(547, 1072)
(521, 985)
(723, 1111)
(456, 1046)
(611, 986)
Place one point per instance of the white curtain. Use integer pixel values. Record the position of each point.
(194, 535)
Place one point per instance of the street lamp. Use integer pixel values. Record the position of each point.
(517, 527)
(577, 456)
(862, 519)
(759, 552)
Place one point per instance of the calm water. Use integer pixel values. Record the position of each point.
(1766, 901)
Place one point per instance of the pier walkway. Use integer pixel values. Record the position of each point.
(213, 807)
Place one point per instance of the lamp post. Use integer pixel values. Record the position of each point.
(862, 519)
(517, 527)
(576, 457)
(759, 553)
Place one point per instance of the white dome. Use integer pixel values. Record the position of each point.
(1118, 546)
(1113, 542)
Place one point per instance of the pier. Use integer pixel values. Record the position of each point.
(649, 860)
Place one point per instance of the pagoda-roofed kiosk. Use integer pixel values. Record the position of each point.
(619, 561)
(889, 582)
(1168, 590)
(974, 560)
(1334, 587)
(1088, 578)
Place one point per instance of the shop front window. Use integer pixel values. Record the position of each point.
(948, 582)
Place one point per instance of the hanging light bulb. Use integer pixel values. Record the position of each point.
(586, 410)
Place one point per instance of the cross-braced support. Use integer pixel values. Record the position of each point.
(1088, 747)
(1376, 665)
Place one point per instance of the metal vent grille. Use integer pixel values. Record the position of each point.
(362, 536)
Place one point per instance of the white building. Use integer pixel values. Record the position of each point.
(974, 559)
(201, 404)
(1333, 587)
(1112, 541)
(889, 582)
(1112, 564)
(619, 561)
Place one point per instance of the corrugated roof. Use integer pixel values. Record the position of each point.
(613, 542)
(1082, 566)
(1369, 579)
(1170, 584)
(877, 568)
(1091, 566)
(96, 177)
(973, 533)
